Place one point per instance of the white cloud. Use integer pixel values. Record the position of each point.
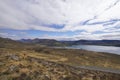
(6, 35)
(35, 14)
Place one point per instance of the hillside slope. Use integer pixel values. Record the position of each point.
(44, 63)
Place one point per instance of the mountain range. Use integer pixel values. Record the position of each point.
(52, 42)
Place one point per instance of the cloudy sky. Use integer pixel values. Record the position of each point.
(60, 19)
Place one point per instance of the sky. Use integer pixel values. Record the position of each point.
(60, 19)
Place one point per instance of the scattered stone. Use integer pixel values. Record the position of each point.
(44, 77)
(48, 70)
(14, 57)
(13, 68)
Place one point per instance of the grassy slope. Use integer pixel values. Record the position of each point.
(46, 62)
(81, 57)
(41, 63)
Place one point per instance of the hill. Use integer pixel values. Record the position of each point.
(99, 42)
(45, 42)
(52, 42)
(33, 62)
(9, 43)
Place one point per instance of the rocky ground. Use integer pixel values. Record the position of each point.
(29, 65)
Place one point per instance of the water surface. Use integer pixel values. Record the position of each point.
(108, 49)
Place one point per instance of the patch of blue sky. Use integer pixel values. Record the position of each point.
(39, 33)
(110, 22)
(56, 26)
(98, 32)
